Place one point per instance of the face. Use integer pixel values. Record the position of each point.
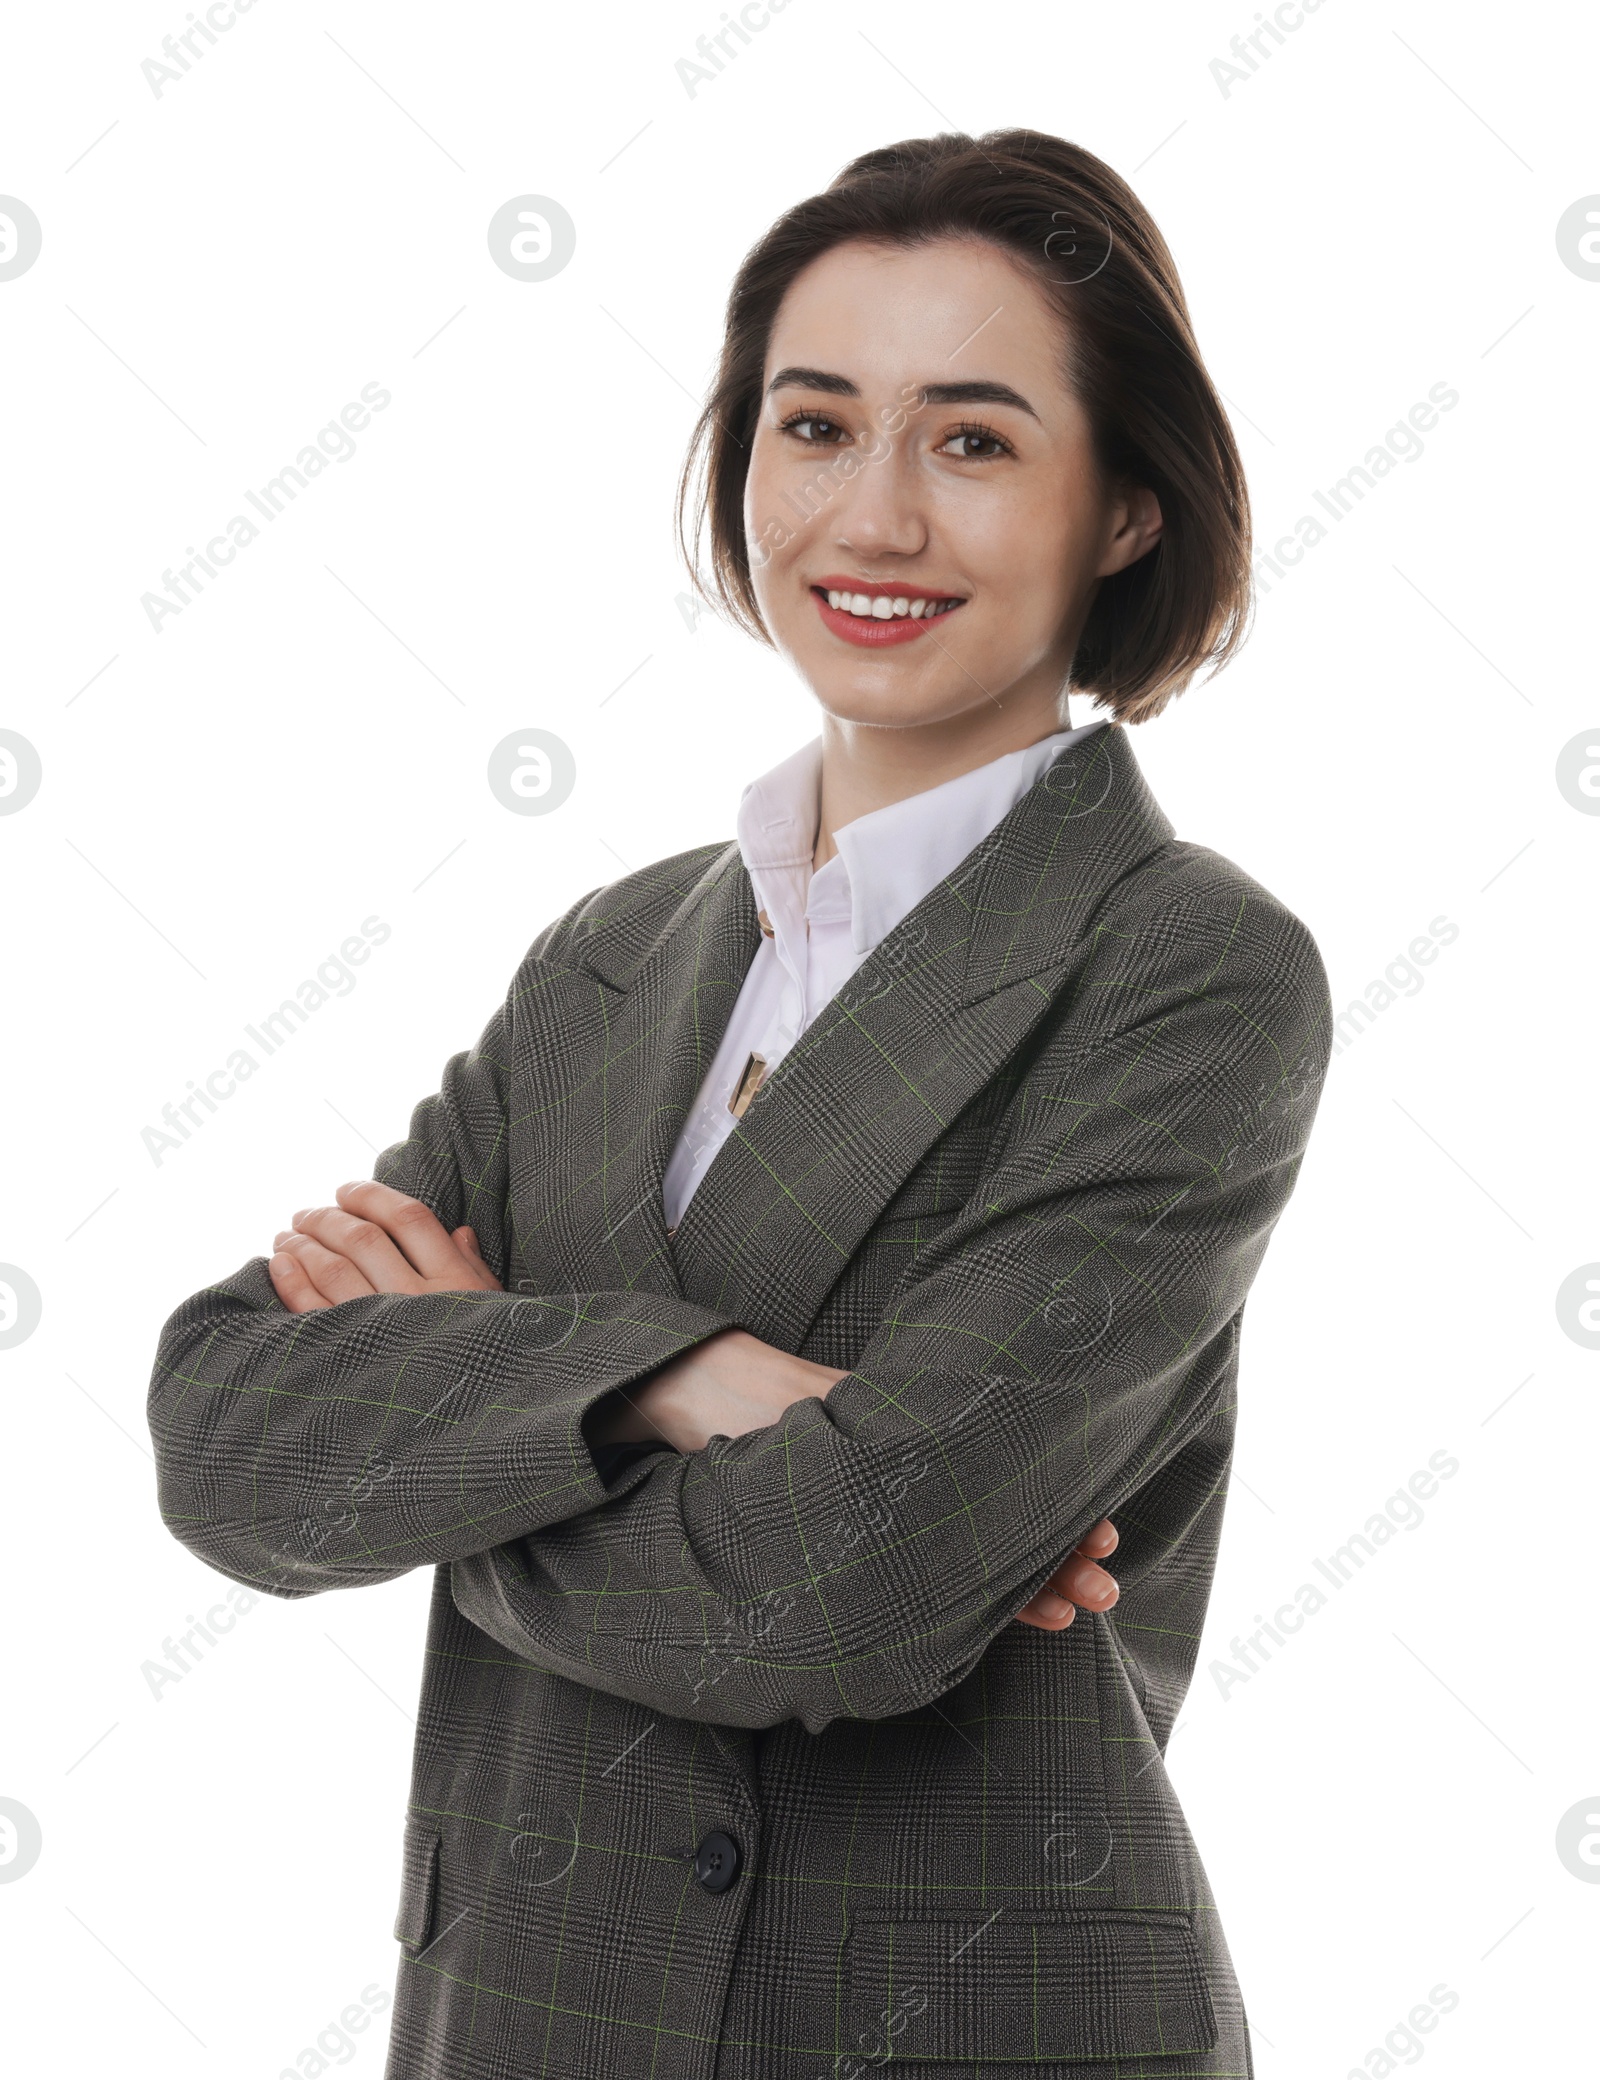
(926, 521)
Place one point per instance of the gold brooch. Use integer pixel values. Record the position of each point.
(750, 1081)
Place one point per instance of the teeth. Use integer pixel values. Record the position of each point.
(882, 607)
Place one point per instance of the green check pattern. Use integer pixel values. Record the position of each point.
(1017, 1177)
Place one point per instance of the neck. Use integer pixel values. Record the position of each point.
(866, 766)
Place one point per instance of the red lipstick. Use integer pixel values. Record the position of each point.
(874, 631)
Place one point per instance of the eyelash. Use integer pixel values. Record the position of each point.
(969, 429)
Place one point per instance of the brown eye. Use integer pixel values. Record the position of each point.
(812, 428)
(973, 444)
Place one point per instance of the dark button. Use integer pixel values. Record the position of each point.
(716, 1861)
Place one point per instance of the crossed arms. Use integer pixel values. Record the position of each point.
(376, 1240)
(1068, 1332)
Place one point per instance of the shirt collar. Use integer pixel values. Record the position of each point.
(888, 859)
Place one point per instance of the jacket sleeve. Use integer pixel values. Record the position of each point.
(1055, 1345)
(299, 1452)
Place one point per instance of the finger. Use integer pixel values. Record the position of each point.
(416, 1231)
(471, 1250)
(1047, 1611)
(380, 1260)
(292, 1285)
(1083, 1581)
(333, 1276)
(1099, 1540)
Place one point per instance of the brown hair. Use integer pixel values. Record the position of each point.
(1157, 421)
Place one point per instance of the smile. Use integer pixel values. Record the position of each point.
(878, 614)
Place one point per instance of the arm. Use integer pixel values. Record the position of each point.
(299, 1451)
(734, 1383)
(1068, 1332)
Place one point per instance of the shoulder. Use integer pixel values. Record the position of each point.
(1189, 926)
(609, 932)
(1185, 890)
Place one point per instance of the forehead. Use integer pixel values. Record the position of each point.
(897, 315)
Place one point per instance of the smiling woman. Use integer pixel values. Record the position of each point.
(831, 1232)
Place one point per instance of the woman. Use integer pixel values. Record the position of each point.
(828, 1234)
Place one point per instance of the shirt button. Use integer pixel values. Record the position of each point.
(716, 1861)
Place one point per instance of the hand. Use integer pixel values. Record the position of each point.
(1076, 1581)
(726, 1385)
(376, 1240)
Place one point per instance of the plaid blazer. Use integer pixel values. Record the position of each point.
(738, 1767)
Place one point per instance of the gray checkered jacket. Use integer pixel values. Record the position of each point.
(737, 1766)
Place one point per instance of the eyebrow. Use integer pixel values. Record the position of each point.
(972, 390)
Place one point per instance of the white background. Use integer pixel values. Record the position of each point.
(224, 266)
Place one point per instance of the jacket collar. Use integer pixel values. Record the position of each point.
(932, 1013)
(888, 859)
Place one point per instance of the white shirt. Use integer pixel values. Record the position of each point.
(824, 924)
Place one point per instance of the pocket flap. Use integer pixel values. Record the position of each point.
(1029, 1984)
(419, 1879)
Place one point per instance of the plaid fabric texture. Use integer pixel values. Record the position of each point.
(737, 1766)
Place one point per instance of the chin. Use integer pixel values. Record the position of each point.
(907, 707)
(895, 689)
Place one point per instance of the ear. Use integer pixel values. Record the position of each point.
(1134, 528)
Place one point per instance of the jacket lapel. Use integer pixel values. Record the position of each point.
(914, 1035)
(613, 1064)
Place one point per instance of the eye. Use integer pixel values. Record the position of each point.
(813, 429)
(975, 444)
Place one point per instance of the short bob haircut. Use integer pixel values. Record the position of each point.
(1156, 419)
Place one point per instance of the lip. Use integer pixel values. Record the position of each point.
(864, 630)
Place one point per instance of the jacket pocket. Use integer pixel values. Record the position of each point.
(1030, 1984)
(419, 1884)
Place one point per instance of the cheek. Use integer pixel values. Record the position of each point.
(1025, 549)
(771, 535)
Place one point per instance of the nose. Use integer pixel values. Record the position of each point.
(880, 510)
